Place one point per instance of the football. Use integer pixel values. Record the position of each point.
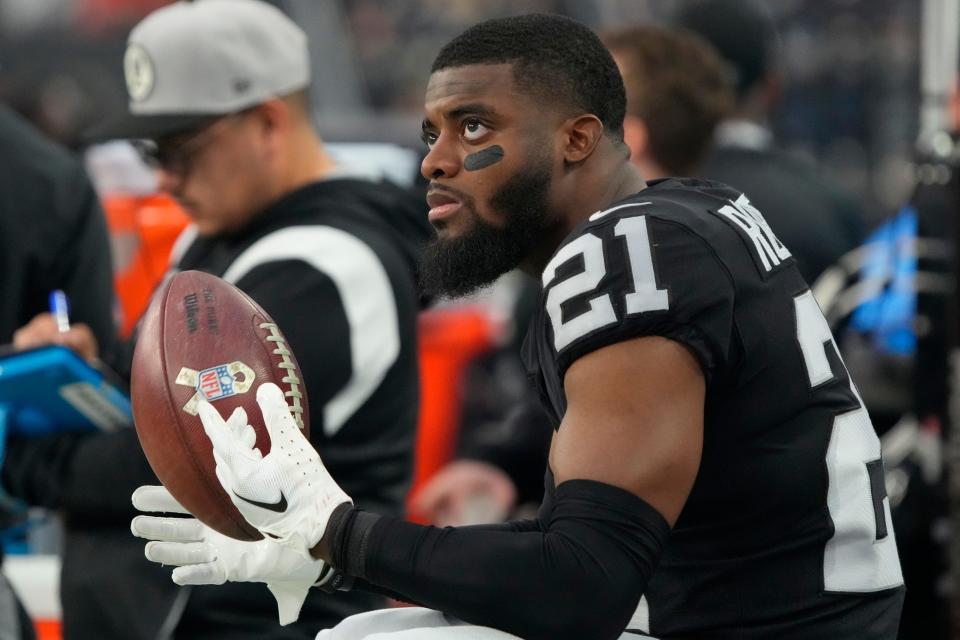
(202, 337)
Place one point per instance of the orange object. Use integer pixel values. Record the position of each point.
(48, 629)
(450, 339)
(142, 232)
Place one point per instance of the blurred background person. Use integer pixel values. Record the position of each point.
(813, 217)
(892, 298)
(677, 93)
(52, 236)
(218, 93)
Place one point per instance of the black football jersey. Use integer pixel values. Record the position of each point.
(787, 531)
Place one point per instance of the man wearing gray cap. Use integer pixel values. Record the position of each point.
(218, 103)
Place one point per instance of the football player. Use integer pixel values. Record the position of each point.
(713, 472)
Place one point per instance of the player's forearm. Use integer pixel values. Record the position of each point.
(593, 554)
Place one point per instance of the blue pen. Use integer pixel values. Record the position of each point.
(60, 309)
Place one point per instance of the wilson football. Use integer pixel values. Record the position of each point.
(202, 337)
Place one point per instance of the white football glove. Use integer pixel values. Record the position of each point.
(287, 494)
(203, 556)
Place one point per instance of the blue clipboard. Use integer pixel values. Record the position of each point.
(52, 389)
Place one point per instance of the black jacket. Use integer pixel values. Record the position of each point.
(52, 234)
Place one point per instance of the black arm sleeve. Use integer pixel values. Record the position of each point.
(347, 582)
(579, 574)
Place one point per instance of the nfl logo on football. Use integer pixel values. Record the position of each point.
(215, 383)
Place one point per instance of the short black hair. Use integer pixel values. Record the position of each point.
(557, 59)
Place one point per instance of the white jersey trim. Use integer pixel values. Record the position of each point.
(640, 621)
(368, 303)
(181, 244)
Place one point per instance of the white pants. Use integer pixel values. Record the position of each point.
(415, 623)
(411, 623)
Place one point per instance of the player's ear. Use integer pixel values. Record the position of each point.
(272, 120)
(272, 116)
(580, 137)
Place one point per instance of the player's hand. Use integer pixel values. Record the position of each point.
(43, 331)
(465, 492)
(287, 494)
(203, 556)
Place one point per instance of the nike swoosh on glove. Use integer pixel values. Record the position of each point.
(203, 556)
(288, 493)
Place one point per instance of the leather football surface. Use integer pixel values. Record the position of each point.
(202, 337)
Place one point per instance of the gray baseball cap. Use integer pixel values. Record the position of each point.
(190, 62)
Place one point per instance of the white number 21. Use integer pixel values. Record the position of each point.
(644, 297)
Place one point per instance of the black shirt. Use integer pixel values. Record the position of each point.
(786, 532)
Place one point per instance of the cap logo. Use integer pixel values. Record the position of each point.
(139, 73)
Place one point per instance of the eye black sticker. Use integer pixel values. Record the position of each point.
(483, 158)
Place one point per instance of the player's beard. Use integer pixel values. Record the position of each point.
(456, 267)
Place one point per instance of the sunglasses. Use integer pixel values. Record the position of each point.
(174, 155)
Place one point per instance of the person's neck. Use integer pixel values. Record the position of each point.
(649, 168)
(624, 181)
(307, 162)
